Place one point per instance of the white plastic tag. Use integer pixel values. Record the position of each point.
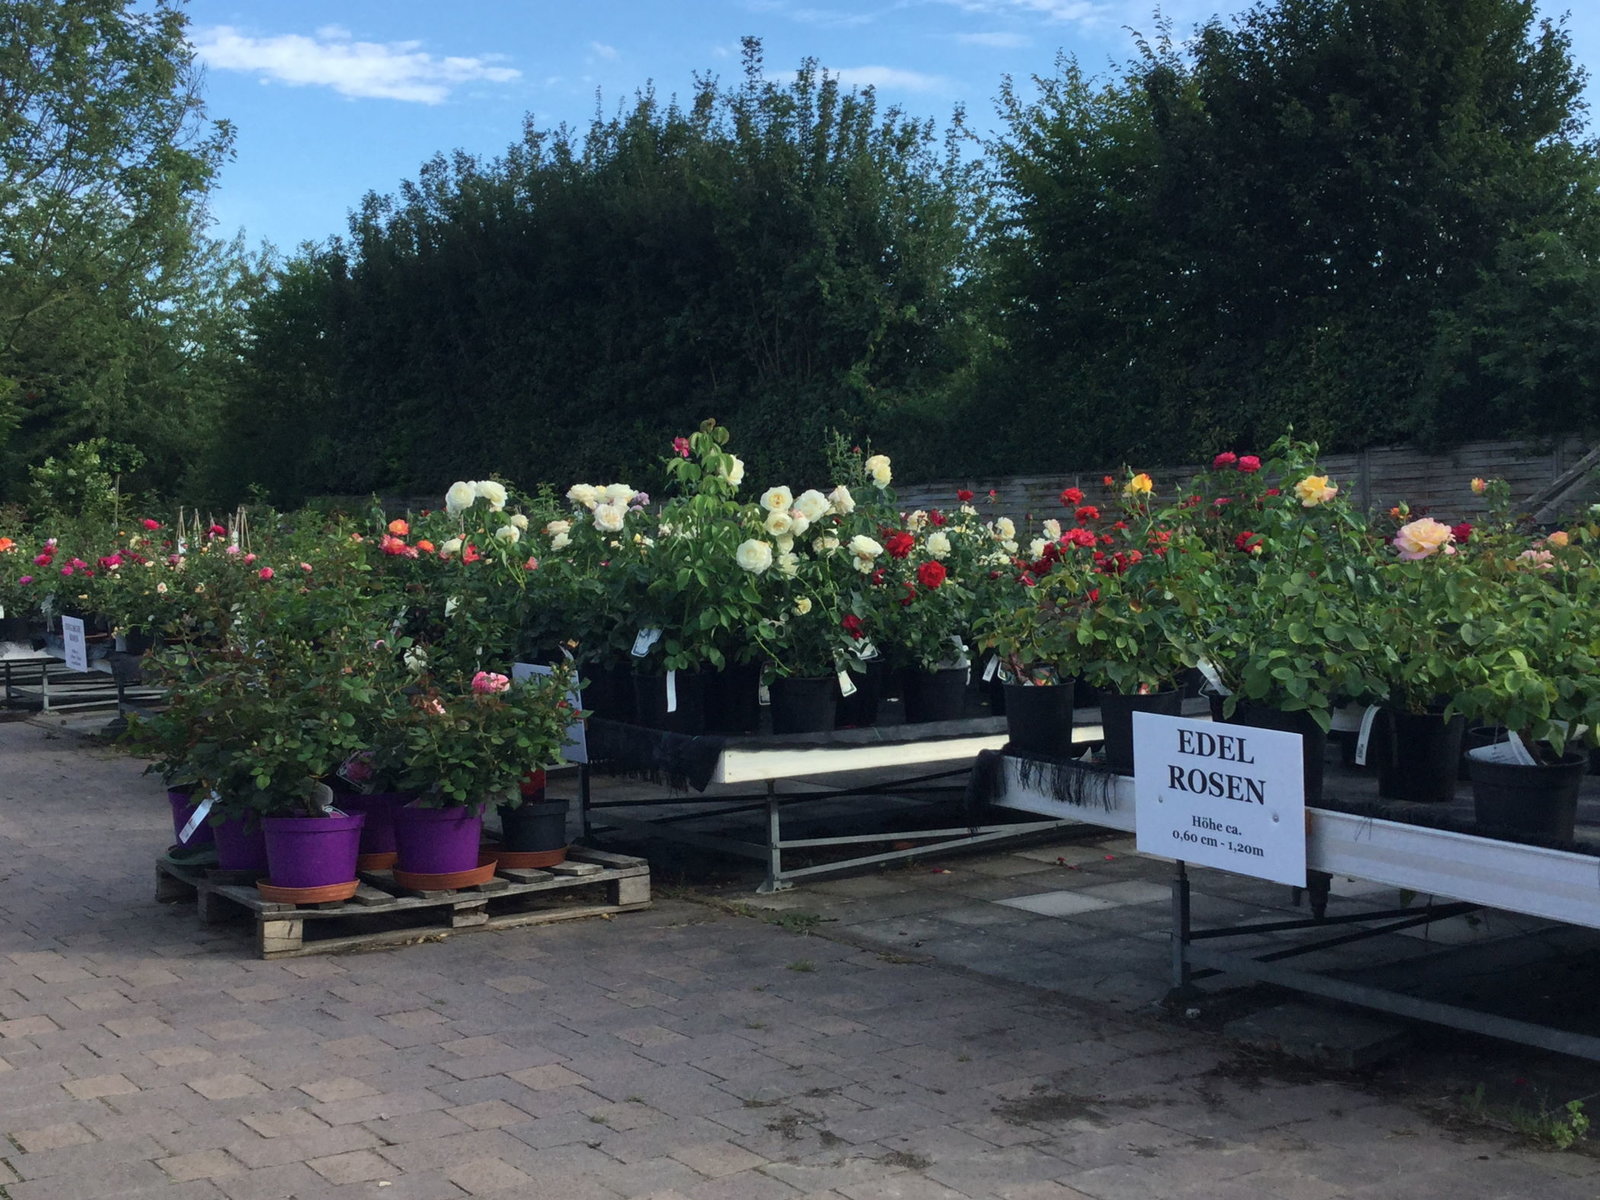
(991, 667)
(847, 686)
(672, 691)
(764, 696)
(322, 796)
(200, 812)
(1519, 751)
(867, 651)
(645, 639)
(1365, 736)
(1213, 679)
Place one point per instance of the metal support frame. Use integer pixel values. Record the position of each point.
(770, 803)
(1263, 968)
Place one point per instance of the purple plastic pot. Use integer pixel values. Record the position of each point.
(241, 845)
(183, 806)
(438, 841)
(377, 835)
(309, 852)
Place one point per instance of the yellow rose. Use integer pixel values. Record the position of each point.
(1479, 486)
(1140, 485)
(1314, 490)
(1423, 538)
(1558, 538)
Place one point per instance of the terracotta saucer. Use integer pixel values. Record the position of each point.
(418, 881)
(310, 895)
(530, 858)
(376, 862)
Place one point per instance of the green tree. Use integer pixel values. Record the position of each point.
(108, 286)
(782, 256)
(1285, 222)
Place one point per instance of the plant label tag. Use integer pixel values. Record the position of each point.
(1213, 680)
(847, 686)
(322, 797)
(764, 696)
(1365, 736)
(672, 691)
(76, 650)
(992, 666)
(576, 749)
(645, 639)
(200, 812)
(867, 651)
(1519, 751)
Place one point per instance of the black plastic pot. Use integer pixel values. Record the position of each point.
(1116, 721)
(804, 705)
(935, 695)
(1539, 800)
(650, 700)
(534, 827)
(1476, 735)
(733, 699)
(1039, 719)
(860, 708)
(1417, 756)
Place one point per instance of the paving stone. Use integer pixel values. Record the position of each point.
(355, 1166)
(207, 1164)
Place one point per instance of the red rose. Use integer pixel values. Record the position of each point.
(1274, 492)
(470, 554)
(877, 576)
(1092, 595)
(964, 495)
(1078, 537)
(1071, 496)
(1461, 532)
(1087, 512)
(935, 517)
(899, 544)
(1248, 541)
(853, 626)
(1249, 463)
(1226, 459)
(931, 574)
(151, 523)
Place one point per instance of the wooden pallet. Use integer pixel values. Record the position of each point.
(382, 913)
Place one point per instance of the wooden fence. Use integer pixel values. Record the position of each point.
(1550, 481)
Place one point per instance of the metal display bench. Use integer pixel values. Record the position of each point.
(949, 747)
(40, 680)
(1473, 872)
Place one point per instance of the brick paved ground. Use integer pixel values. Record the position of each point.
(676, 1053)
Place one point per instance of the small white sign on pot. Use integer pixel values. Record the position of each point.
(1225, 796)
(76, 643)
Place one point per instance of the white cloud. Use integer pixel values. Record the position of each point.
(1095, 14)
(889, 78)
(601, 50)
(811, 16)
(332, 58)
(998, 41)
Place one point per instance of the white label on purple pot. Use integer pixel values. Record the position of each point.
(200, 812)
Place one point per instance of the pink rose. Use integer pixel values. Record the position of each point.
(1249, 463)
(265, 573)
(680, 446)
(1226, 459)
(486, 682)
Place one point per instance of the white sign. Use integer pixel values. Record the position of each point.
(77, 651)
(577, 748)
(1225, 796)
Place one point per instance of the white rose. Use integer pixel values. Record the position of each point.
(826, 544)
(609, 517)
(619, 493)
(453, 546)
(938, 543)
(811, 504)
(968, 511)
(557, 528)
(753, 555)
(785, 543)
(508, 533)
(1009, 546)
(1005, 529)
(778, 522)
(459, 498)
(878, 467)
(494, 493)
(585, 494)
(801, 522)
(1052, 530)
(520, 521)
(866, 551)
(841, 501)
(735, 473)
(788, 564)
(561, 541)
(916, 520)
(1036, 547)
(802, 606)
(777, 499)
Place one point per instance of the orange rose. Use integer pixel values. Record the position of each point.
(399, 527)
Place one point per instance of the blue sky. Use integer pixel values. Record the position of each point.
(335, 98)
